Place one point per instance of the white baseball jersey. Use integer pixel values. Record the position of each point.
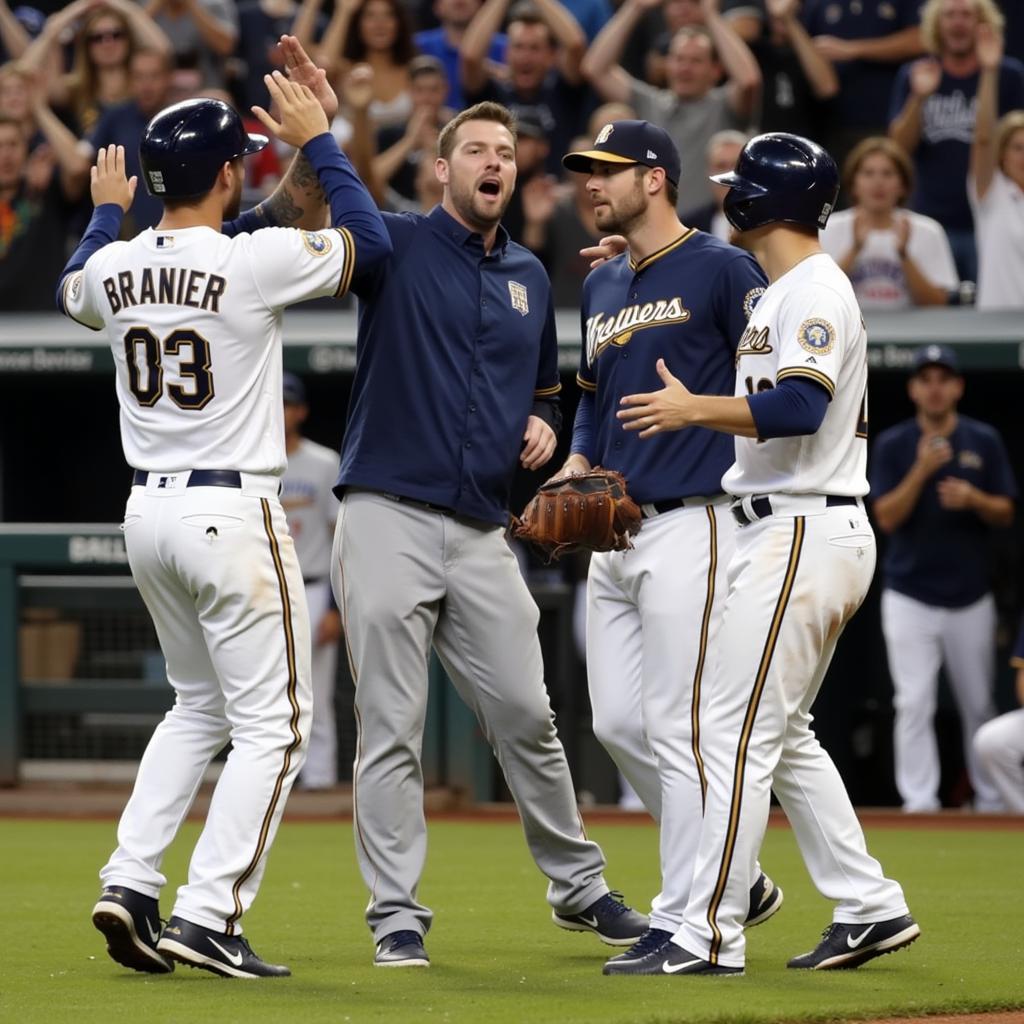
(204, 392)
(807, 324)
(310, 505)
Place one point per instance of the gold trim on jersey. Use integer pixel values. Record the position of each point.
(587, 385)
(603, 330)
(348, 262)
(547, 392)
(293, 724)
(805, 371)
(663, 251)
(743, 746)
(698, 674)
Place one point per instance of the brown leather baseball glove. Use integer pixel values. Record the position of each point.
(591, 511)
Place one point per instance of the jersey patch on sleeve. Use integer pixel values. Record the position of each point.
(750, 300)
(816, 336)
(316, 243)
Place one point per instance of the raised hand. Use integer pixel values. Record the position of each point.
(902, 226)
(781, 9)
(988, 47)
(300, 68)
(108, 181)
(358, 87)
(925, 76)
(302, 116)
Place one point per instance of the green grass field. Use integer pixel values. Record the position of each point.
(495, 955)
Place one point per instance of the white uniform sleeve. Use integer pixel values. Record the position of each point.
(291, 265)
(813, 323)
(81, 294)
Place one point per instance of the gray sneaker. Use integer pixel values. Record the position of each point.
(608, 918)
(401, 949)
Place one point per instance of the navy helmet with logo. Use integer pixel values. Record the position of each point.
(780, 178)
(185, 145)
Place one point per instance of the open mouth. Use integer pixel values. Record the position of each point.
(491, 187)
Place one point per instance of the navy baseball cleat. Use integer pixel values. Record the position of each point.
(650, 942)
(670, 959)
(130, 922)
(765, 900)
(228, 955)
(608, 918)
(844, 946)
(401, 949)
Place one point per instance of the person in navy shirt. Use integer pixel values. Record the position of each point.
(866, 40)
(940, 482)
(999, 743)
(653, 612)
(455, 383)
(932, 115)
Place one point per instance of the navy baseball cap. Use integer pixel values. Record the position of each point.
(293, 390)
(935, 355)
(629, 142)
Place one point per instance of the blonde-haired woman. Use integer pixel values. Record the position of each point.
(995, 185)
(932, 113)
(895, 258)
(106, 34)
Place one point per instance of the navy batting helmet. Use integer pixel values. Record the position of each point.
(780, 178)
(186, 144)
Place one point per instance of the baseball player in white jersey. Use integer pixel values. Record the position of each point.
(193, 317)
(312, 509)
(805, 553)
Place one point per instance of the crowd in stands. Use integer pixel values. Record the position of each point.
(921, 102)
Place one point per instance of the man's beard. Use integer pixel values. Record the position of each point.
(464, 201)
(624, 218)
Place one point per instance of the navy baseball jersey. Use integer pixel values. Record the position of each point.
(454, 347)
(940, 556)
(687, 303)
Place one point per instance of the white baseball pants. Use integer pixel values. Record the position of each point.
(217, 570)
(793, 584)
(920, 638)
(999, 749)
(653, 615)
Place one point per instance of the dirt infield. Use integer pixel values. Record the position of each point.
(1009, 1017)
(102, 801)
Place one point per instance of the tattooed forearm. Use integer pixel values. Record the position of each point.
(303, 177)
(280, 209)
